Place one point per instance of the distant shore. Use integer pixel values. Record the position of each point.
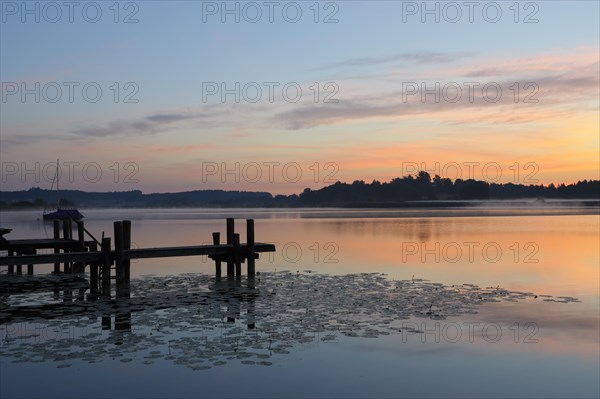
(420, 191)
(446, 204)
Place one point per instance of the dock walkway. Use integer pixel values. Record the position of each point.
(102, 257)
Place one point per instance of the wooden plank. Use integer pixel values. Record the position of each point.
(161, 252)
(39, 244)
(50, 258)
(165, 252)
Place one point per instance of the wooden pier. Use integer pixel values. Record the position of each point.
(102, 257)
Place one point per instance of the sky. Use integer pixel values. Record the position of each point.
(166, 96)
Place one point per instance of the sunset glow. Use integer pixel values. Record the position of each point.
(380, 126)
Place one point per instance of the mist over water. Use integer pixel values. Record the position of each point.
(510, 291)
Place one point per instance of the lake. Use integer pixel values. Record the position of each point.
(478, 302)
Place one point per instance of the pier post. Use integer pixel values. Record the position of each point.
(250, 244)
(120, 272)
(236, 255)
(216, 241)
(67, 236)
(30, 251)
(11, 268)
(79, 267)
(230, 233)
(80, 235)
(56, 236)
(94, 283)
(127, 246)
(67, 229)
(106, 263)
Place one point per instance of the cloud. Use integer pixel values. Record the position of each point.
(15, 140)
(556, 62)
(168, 118)
(149, 125)
(537, 94)
(415, 58)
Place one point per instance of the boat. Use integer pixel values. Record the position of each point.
(61, 213)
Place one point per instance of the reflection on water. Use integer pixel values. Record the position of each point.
(200, 322)
(322, 343)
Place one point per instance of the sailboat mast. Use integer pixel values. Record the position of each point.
(57, 186)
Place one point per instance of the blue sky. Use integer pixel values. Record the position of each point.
(170, 52)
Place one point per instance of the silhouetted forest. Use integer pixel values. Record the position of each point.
(425, 188)
(401, 191)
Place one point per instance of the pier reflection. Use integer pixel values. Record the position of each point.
(200, 321)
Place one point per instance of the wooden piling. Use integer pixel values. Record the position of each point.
(94, 283)
(11, 268)
(106, 263)
(67, 229)
(80, 234)
(250, 243)
(236, 255)
(230, 229)
(56, 249)
(67, 236)
(79, 267)
(30, 265)
(127, 246)
(217, 241)
(230, 233)
(120, 272)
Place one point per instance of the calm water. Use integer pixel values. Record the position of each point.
(492, 302)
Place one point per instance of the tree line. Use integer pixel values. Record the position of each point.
(397, 192)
